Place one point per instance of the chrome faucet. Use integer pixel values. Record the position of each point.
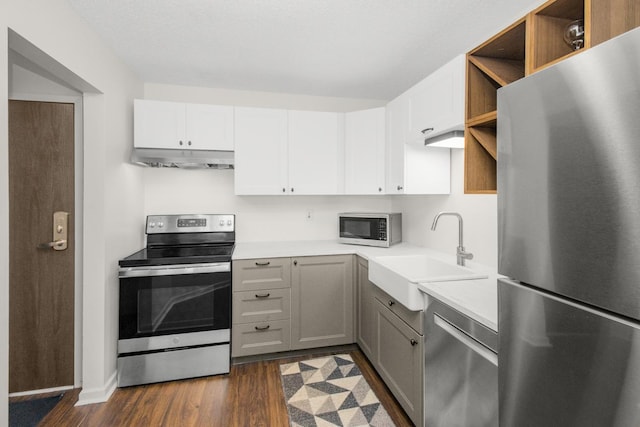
(461, 255)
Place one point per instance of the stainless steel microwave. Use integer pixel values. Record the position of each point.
(370, 229)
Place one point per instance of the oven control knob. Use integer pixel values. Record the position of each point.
(160, 224)
(229, 222)
(176, 340)
(152, 224)
(222, 222)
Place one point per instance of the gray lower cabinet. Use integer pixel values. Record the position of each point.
(261, 274)
(282, 304)
(260, 338)
(261, 306)
(399, 353)
(365, 309)
(322, 300)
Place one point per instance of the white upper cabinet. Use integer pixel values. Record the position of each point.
(316, 144)
(397, 116)
(436, 104)
(430, 108)
(175, 125)
(364, 152)
(288, 152)
(413, 168)
(261, 161)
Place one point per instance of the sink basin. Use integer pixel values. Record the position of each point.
(398, 275)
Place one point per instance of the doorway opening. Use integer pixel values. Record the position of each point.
(41, 110)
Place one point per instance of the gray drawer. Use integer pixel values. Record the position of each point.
(411, 318)
(261, 306)
(258, 338)
(261, 274)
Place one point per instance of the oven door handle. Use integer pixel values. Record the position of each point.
(174, 270)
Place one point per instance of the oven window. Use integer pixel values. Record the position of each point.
(170, 309)
(152, 306)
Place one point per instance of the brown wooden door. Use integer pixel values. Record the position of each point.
(41, 289)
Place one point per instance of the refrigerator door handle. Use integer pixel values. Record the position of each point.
(466, 340)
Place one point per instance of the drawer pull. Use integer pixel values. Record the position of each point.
(413, 342)
(261, 328)
(263, 264)
(262, 295)
(391, 302)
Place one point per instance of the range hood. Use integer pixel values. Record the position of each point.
(186, 159)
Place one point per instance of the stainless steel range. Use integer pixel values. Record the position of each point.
(175, 300)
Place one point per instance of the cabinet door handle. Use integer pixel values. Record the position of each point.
(292, 189)
(263, 264)
(180, 142)
(400, 187)
(261, 328)
(263, 295)
(379, 189)
(189, 143)
(426, 131)
(413, 342)
(284, 190)
(391, 302)
(295, 262)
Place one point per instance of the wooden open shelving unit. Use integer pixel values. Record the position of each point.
(528, 45)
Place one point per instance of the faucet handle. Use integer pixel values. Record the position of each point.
(462, 255)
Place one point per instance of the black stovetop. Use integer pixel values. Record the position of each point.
(180, 254)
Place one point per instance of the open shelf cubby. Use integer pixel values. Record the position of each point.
(496, 63)
(546, 32)
(530, 44)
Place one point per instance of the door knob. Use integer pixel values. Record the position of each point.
(55, 244)
(60, 230)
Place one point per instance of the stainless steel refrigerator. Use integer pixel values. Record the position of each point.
(569, 239)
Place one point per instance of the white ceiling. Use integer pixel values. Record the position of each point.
(372, 49)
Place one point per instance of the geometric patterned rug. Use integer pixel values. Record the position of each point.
(330, 391)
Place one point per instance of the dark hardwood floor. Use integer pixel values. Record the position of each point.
(251, 395)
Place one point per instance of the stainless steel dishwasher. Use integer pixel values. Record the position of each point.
(461, 370)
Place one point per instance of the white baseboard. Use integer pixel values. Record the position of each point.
(41, 391)
(98, 395)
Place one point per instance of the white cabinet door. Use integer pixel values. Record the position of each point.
(209, 127)
(159, 124)
(316, 152)
(364, 151)
(413, 168)
(260, 151)
(162, 124)
(397, 113)
(436, 104)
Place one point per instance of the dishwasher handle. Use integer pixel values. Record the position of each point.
(465, 339)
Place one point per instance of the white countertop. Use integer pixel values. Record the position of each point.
(477, 298)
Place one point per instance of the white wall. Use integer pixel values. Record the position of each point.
(4, 220)
(480, 214)
(59, 40)
(258, 218)
(200, 95)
